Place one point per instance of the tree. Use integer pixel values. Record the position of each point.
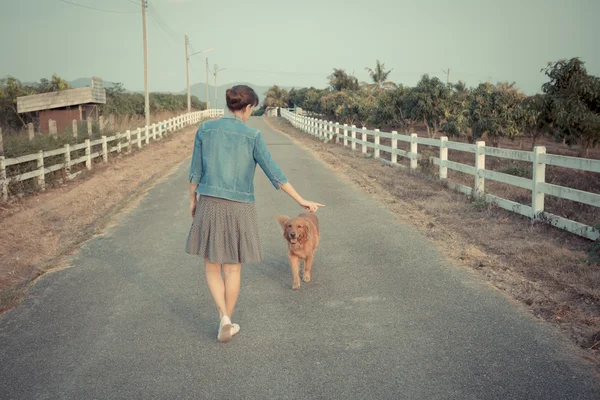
(276, 97)
(457, 119)
(432, 97)
(395, 108)
(574, 102)
(534, 117)
(379, 77)
(339, 80)
(10, 89)
(493, 110)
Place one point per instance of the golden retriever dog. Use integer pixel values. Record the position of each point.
(302, 236)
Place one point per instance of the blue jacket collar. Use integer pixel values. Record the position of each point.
(228, 114)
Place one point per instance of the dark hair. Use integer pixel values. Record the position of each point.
(240, 96)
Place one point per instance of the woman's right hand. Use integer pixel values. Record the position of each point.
(193, 204)
(310, 206)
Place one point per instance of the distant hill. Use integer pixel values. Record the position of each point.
(83, 82)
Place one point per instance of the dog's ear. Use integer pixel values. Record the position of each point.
(282, 219)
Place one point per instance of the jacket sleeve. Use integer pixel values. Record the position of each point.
(196, 167)
(266, 163)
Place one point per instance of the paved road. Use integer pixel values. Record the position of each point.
(385, 317)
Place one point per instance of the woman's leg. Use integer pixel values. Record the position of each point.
(232, 285)
(216, 286)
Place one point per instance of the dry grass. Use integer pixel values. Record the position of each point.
(547, 270)
(36, 232)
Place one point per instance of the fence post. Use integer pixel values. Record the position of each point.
(479, 188)
(331, 130)
(74, 124)
(539, 177)
(394, 145)
(3, 179)
(414, 162)
(147, 128)
(154, 131)
(364, 137)
(104, 149)
(353, 145)
(128, 133)
(68, 160)
(41, 179)
(345, 133)
(52, 127)
(88, 154)
(119, 144)
(443, 158)
(89, 127)
(376, 142)
(139, 137)
(30, 131)
(337, 132)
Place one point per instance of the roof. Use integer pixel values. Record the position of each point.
(64, 98)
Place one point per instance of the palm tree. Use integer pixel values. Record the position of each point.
(379, 77)
(276, 97)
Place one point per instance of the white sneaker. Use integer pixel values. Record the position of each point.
(225, 326)
(235, 328)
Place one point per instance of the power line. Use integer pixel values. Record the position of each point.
(162, 36)
(161, 29)
(160, 25)
(133, 2)
(99, 9)
(171, 31)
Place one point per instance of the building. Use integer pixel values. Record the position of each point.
(65, 106)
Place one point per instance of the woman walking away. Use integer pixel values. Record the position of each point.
(224, 231)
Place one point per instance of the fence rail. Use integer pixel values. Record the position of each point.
(351, 135)
(110, 144)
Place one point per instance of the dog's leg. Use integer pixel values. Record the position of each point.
(307, 268)
(295, 265)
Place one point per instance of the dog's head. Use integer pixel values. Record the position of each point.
(295, 230)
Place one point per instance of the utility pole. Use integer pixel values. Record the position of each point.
(187, 62)
(147, 98)
(215, 72)
(215, 88)
(187, 74)
(447, 75)
(207, 99)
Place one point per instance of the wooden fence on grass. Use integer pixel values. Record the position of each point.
(328, 130)
(109, 144)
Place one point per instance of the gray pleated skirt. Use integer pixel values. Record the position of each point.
(224, 232)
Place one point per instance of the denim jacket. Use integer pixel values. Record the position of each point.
(224, 160)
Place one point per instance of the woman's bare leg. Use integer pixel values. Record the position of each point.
(216, 286)
(232, 285)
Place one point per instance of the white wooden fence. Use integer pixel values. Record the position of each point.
(328, 130)
(110, 144)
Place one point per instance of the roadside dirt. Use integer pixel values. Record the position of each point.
(547, 271)
(37, 232)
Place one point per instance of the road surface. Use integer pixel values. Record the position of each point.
(384, 318)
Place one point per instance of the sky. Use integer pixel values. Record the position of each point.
(296, 43)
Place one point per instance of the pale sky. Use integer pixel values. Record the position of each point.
(297, 43)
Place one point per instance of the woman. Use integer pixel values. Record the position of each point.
(225, 230)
